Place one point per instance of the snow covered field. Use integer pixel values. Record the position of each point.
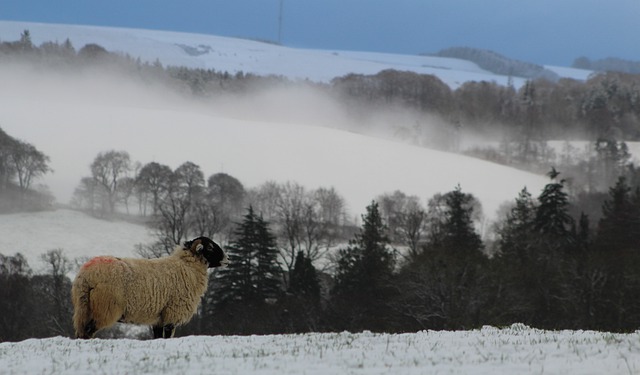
(80, 236)
(513, 350)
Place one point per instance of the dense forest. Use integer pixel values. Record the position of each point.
(564, 257)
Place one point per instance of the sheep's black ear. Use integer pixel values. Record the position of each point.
(199, 248)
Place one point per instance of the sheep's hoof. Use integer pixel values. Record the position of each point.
(157, 332)
(169, 330)
(89, 330)
(165, 332)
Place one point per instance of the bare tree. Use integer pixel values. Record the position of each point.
(176, 206)
(28, 163)
(331, 205)
(126, 187)
(290, 210)
(307, 221)
(58, 290)
(152, 180)
(412, 228)
(264, 200)
(405, 218)
(107, 169)
(220, 206)
(88, 194)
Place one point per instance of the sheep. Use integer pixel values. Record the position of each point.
(163, 293)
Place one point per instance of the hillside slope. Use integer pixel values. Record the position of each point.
(235, 55)
(281, 136)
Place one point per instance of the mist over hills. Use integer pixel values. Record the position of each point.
(275, 107)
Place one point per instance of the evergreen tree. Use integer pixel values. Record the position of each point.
(457, 231)
(619, 227)
(246, 294)
(552, 217)
(302, 307)
(253, 274)
(443, 288)
(515, 274)
(616, 261)
(554, 268)
(516, 232)
(304, 278)
(25, 44)
(268, 275)
(363, 276)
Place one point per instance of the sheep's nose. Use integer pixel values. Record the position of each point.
(225, 261)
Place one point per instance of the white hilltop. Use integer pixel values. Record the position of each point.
(261, 58)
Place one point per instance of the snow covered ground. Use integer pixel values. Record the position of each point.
(513, 350)
(234, 55)
(79, 236)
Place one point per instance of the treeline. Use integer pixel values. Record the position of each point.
(609, 64)
(21, 164)
(603, 106)
(180, 203)
(499, 64)
(406, 268)
(35, 305)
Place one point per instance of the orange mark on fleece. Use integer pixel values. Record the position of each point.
(99, 260)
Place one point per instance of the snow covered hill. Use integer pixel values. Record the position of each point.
(234, 55)
(513, 350)
(78, 235)
(276, 136)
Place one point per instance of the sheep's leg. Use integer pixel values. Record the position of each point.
(158, 332)
(168, 331)
(89, 330)
(164, 331)
(104, 308)
(82, 322)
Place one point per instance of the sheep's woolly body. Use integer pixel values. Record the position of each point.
(159, 292)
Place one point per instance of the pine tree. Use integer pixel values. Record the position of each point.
(367, 259)
(516, 273)
(253, 274)
(364, 272)
(267, 273)
(617, 260)
(244, 297)
(304, 278)
(457, 230)
(443, 288)
(619, 228)
(516, 232)
(552, 217)
(554, 264)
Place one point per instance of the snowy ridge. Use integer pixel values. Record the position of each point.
(235, 55)
(514, 350)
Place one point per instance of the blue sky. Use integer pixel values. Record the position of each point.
(541, 31)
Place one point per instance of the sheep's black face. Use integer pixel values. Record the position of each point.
(212, 253)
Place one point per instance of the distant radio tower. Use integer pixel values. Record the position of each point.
(280, 22)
